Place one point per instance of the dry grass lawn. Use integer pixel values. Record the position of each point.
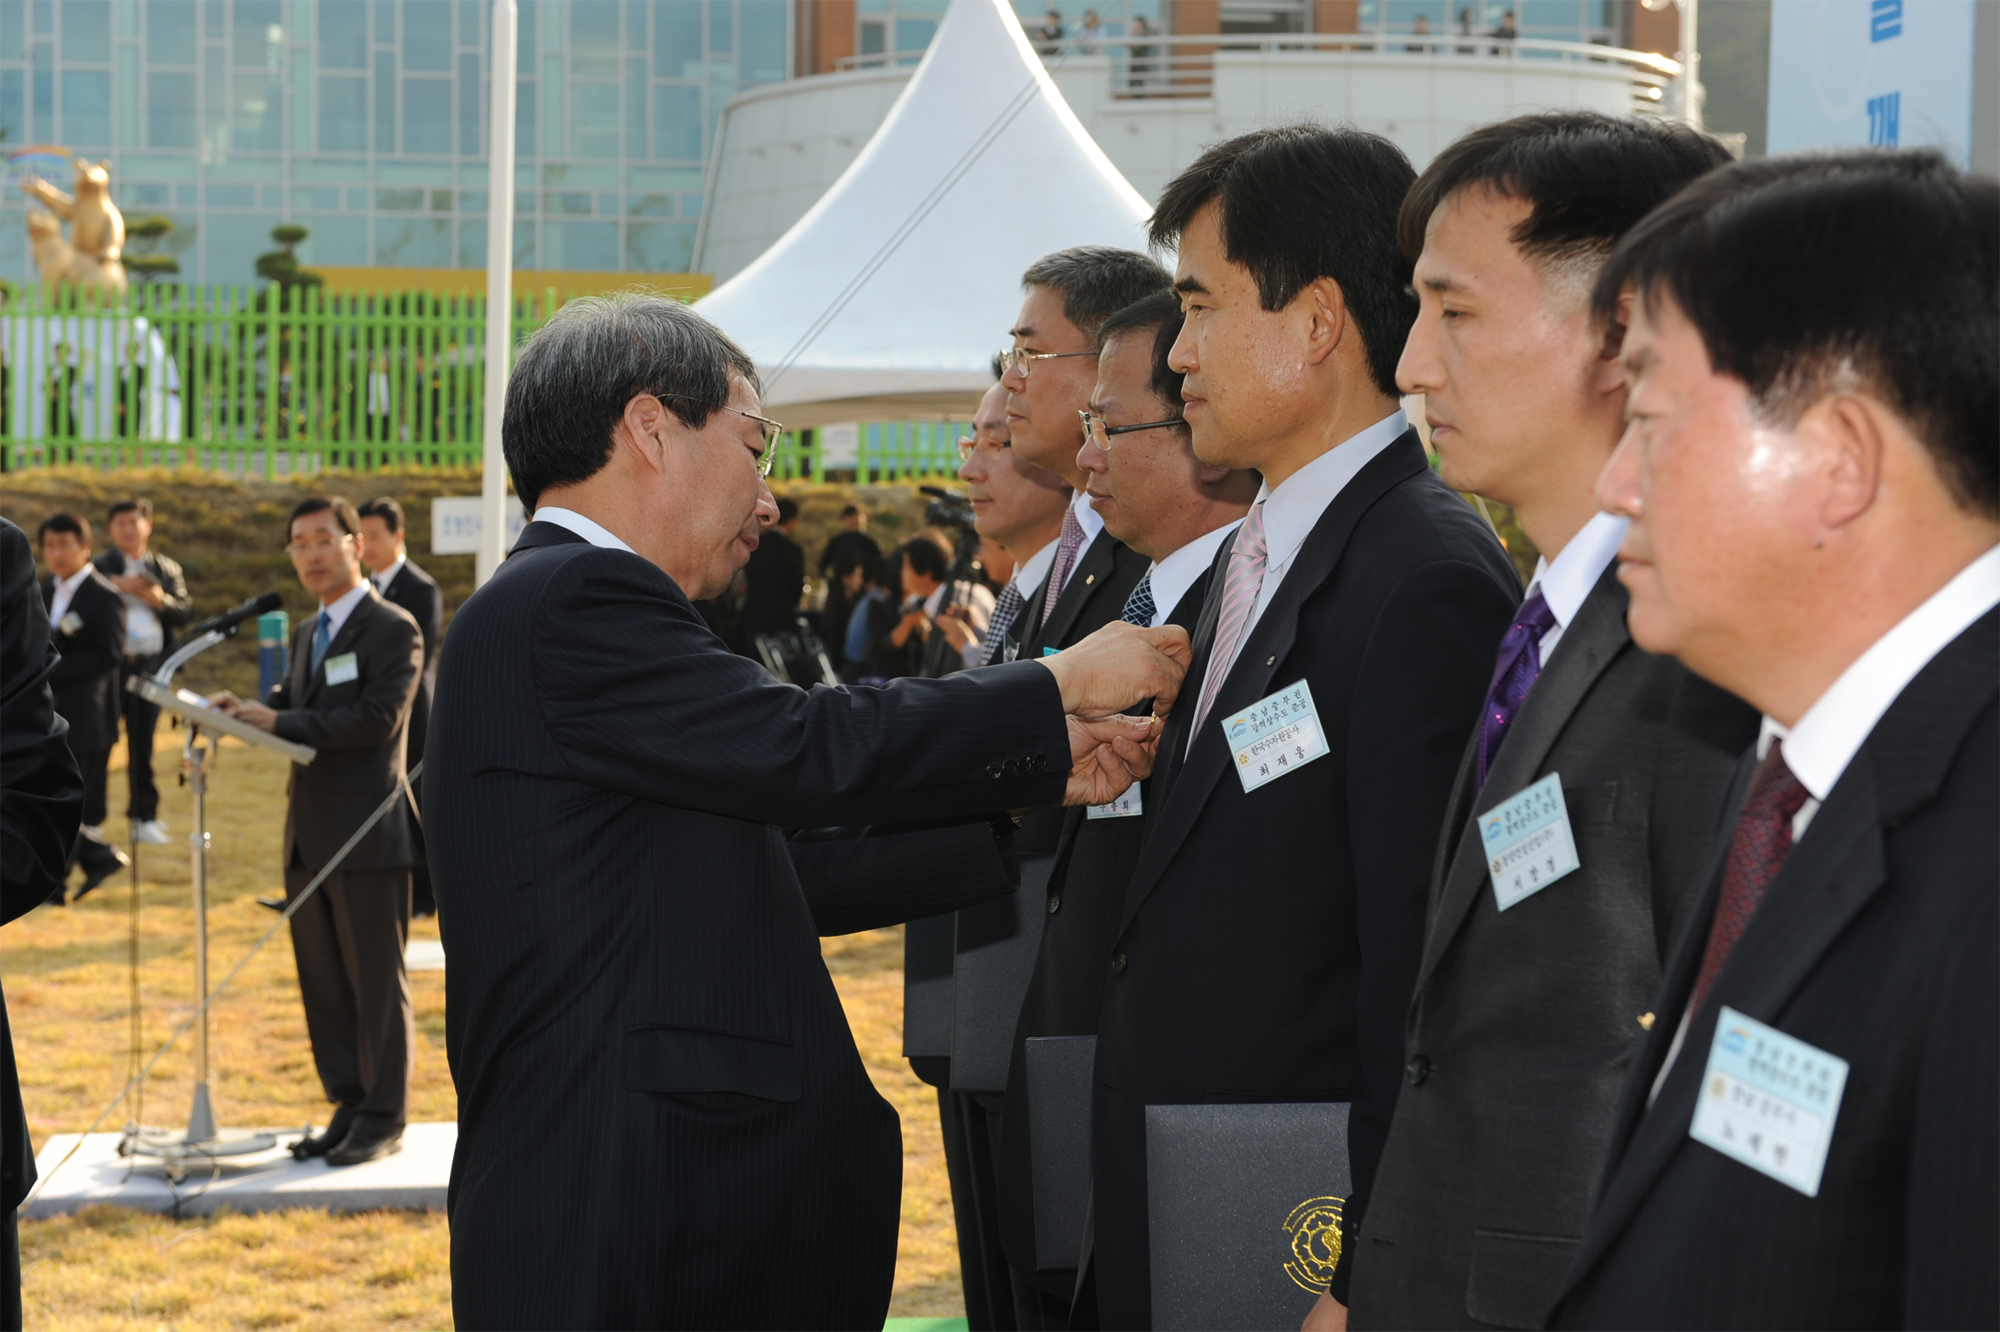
(66, 989)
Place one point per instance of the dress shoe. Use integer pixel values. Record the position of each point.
(272, 903)
(319, 1144)
(100, 861)
(150, 831)
(366, 1144)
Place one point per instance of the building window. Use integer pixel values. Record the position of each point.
(86, 96)
(343, 114)
(426, 115)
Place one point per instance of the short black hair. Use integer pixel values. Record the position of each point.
(850, 559)
(1304, 202)
(1804, 273)
(75, 524)
(138, 504)
(343, 513)
(1587, 177)
(850, 510)
(788, 509)
(1160, 314)
(1095, 280)
(390, 512)
(573, 378)
(924, 555)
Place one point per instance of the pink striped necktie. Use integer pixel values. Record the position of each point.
(1072, 541)
(1240, 585)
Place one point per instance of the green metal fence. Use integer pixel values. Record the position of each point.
(269, 383)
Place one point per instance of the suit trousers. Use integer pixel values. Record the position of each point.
(95, 765)
(349, 939)
(10, 1273)
(141, 720)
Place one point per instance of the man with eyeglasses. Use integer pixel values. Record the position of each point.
(1176, 510)
(356, 664)
(663, 1120)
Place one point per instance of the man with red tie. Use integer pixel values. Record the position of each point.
(1811, 1131)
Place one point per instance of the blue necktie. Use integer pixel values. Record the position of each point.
(322, 638)
(1139, 607)
(1515, 673)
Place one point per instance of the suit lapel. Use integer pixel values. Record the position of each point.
(342, 642)
(1588, 647)
(1268, 643)
(1091, 568)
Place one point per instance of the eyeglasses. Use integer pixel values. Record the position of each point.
(967, 446)
(772, 429)
(1098, 433)
(317, 546)
(1023, 360)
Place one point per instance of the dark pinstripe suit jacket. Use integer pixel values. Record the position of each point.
(662, 1117)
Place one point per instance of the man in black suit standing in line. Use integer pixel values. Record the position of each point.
(156, 604)
(385, 553)
(1166, 504)
(87, 626)
(41, 803)
(1529, 998)
(777, 577)
(662, 1117)
(355, 666)
(1811, 1131)
(1360, 592)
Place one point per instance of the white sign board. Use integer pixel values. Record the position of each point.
(455, 524)
(839, 445)
(1886, 73)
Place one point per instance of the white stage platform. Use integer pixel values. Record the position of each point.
(414, 1179)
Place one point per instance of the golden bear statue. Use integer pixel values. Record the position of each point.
(90, 257)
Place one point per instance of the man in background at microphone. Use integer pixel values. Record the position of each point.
(355, 669)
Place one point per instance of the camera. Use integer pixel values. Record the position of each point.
(948, 508)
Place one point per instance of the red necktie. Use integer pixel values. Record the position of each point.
(1757, 848)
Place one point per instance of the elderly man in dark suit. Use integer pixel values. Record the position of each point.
(41, 802)
(156, 604)
(87, 626)
(1167, 505)
(662, 1117)
(1359, 589)
(1529, 998)
(1811, 1131)
(385, 553)
(355, 666)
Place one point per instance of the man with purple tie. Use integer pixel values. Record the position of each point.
(1536, 980)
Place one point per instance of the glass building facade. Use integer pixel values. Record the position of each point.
(365, 122)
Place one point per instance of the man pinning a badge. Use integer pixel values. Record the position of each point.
(1579, 824)
(1811, 1129)
(355, 665)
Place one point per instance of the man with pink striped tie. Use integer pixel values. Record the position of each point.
(1271, 930)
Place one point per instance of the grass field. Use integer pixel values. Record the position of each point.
(66, 982)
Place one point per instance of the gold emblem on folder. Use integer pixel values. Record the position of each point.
(1314, 1231)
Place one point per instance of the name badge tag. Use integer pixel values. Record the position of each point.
(1275, 736)
(342, 669)
(1528, 842)
(1127, 806)
(71, 623)
(1769, 1101)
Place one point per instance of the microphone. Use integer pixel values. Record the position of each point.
(226, 622)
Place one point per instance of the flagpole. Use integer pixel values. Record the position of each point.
(499, 287)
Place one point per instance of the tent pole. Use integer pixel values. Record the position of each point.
(499, 287)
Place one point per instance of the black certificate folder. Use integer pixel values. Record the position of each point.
(1059, 1074)
(1243, 1203)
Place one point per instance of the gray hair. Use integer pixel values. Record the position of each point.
(572, 379)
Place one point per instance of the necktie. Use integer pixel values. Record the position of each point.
(1139, 607)
(1756, 849)
(1240, 585)
(1513, 675)
(1072, 540)
(1006, 609)
(322, 638)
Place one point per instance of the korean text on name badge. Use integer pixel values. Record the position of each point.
(1129, 805)
(1275, 735)
(1528, 842)
(1769, 1101)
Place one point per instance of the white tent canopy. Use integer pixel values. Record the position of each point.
(888, 299)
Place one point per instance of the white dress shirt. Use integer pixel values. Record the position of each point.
(595, 533)
(1028, 575)
(1173, 576)
(1092, 523)
(144, 635)
(340, 608)
(65, 593)
(1567, 580)
(388, 575)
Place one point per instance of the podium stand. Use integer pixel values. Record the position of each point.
(202, 1141)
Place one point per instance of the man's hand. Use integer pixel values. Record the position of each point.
(1119, 665)
(1328, 1315)
(259, 716)
(1107, 756)
(142, 587)
(956, 629)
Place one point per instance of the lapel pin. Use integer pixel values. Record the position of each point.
(1645, 1021)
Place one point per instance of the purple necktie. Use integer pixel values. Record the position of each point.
(1072, 541)
(1513, 675)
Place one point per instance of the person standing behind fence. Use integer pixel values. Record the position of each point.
(355, 668)
(402, 583)
(87, 626)
(156, 604)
